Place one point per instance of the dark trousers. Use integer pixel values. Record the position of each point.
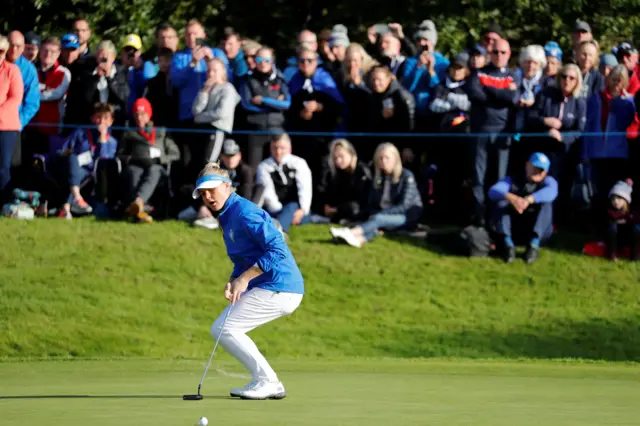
(535, 222)
(8, 141)
(257, 145)
(488, 150)
(142, 181)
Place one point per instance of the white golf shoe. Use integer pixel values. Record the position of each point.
(350, 238)
(264, 390)
(237, 392)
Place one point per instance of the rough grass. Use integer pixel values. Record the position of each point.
(109, 289)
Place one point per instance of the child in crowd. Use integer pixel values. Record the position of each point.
(622, 223)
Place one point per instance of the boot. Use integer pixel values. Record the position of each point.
(612, 246)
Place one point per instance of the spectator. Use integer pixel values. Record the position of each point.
(233, 50)
(609, 113)
(581, 33)
(592, 80)
(561, 112)
(240, 173)
(324, 48)
(79, 155)
(376, 32)
(491, 35)
(146, 152)
(166, 38)
(70, 52)
(249, 49)
(450, 107)
(421, 79)
(390, 54)
(213, 110)
(343, 192)
(554, 63)
(189, 70)
(530, 76)
(54, 83)
(622, 223)
(477, 58)
(161, 92)
(522, 208)
(357, 95)
(492, 92)
(31, 98)
(31, 47)
(133, 63)
(338, 42)
(306, 40)
(11, 93)
(316, 106)
(427, 39)
(608, 62)
(264, 97)
(627, 55)
(285, 185)
(86, 60)
(394, 201)
(107, 84)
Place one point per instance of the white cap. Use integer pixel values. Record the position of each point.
(208, 182)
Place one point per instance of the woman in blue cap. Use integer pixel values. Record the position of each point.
(554, 63)
(265, 284)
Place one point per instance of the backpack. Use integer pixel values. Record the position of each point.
(475, 241)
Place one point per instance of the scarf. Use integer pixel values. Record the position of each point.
(453, 84)
(529, 85)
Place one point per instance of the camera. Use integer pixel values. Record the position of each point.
(103, 60)
(201, 42)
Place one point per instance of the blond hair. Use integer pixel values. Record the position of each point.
(347, 146)
(575, 69)
(213, 169)
(596, 60)
(4, 43)
(367, 61)
(621, 72)
(218, 61)
(108, 46)
(397, 168)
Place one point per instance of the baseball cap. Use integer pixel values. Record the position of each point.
(133, 40)
(624, 49)
(478, 48)
(70, 41)
(581, 27)
(230, 147)
(461, 59)
(32, 38)
(540, 161)
(553, 49)
(208, 182)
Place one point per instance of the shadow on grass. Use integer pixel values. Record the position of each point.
(103, 397)
(593, 339)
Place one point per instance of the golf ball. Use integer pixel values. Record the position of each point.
(203, 421)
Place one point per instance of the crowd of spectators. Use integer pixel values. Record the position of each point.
(371, 137)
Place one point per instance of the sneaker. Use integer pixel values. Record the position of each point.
(265, 390)
(531, 254)
(207, 222)
(189, 214)
(237, 392)
(351, 239)
(509, 254)
(80, 206)
(63, 214)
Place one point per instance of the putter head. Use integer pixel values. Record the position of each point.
(192, 397)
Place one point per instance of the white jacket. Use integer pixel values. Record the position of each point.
(277, 178)
(216, 107)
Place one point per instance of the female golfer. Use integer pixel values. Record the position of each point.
(265, 283)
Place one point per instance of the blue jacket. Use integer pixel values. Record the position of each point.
(189, 80)
(291, 67)
(83, 140)
(545, 192)
(237, 68)
(31, 99)
(251, 239)
(137, 79)
(416, 79)
(622, 112)
(548, 104)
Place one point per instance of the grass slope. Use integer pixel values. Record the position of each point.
(357, 392)
(96, 289)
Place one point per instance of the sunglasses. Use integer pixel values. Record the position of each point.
(500, 52)
(568, 77)
(306, 60)
(260, 59)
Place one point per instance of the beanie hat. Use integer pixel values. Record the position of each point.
(553, 49)
(427, 30)
(339, 36)
(494, 27)
(608, 59)
(622, 190)
(142, 104)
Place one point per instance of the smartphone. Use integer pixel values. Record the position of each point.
(103, 60)
(201, 42)
(382, 28)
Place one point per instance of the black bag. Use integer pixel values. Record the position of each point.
(475, 241)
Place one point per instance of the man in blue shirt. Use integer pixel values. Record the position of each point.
(523, 208)
(265, 284)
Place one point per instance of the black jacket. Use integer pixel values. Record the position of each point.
(404, 108)
(492, 102)
(348, 192)
(405, 198)
(450, 107)
(242, 180)
(357, 100)
(83, 94)
(163, 97)
(271, 86)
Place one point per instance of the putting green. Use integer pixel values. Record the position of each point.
(350, 392)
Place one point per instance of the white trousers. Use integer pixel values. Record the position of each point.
(255, 307)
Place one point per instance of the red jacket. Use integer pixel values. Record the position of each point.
(53, 91)
(632, 88)
(11, 92)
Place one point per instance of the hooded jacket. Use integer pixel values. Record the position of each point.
(403, 104)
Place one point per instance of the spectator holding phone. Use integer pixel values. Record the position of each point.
(132, 61)
(166, 38)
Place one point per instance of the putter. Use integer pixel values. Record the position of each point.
(198, 396)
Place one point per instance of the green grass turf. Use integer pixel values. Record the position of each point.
(338, 392)
(109, 289)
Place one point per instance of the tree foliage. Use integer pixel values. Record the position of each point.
(275, 22)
